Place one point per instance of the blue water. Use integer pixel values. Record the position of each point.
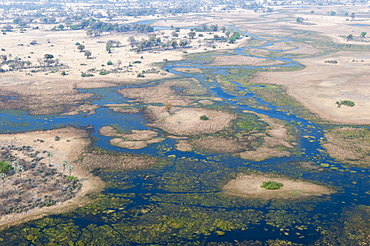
(359, 25)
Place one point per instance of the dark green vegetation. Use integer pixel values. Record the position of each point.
(345, 102)
(271, 185)
(204, 117)
(5, 167)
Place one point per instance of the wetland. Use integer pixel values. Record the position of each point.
(178, 157)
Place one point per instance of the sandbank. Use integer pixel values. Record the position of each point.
(248, 186)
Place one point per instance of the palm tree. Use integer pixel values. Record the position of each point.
(3, 177)
(19, 170)
(15, 164)
(50, 155)
(64, 165)
(70, 169)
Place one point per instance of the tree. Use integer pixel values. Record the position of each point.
(191, 35)
(353, 15)
(48, 56)
(88, 54)
(363, 34)
(350, 37)
(183, 43)
(61, 27)
(70, 169)
(49, 154)
(81, 47)
(108, 48)
(64, 163)
(299, 20)
(232, 39)
(168, 107)
(19, 170)
(3, 57)
(271, 185)
(118, 63)
(174, 44)
(3, 178)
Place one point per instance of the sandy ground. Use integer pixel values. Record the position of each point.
(72, 143)
(248, 186)
(186, 121)
(321, 84)
(137, 139)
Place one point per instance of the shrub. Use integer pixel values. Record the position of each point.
(87, 75)
(71, 178)
(103, 72)
(204, 117)
(109, 63)
(4, 167)
(137, 62)
(346, 103)
(271, 185)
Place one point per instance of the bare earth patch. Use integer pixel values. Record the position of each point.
(177, 92)
(86, 108)
(138, 139)
(321, 84)
(123, 108)
(186, 121)
(188, 70)
(248, 186)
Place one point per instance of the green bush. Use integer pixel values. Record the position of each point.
(271, 185)
(204, 117)
(346, 103)
(103, 73)
(87, 75)
(70, 178)
(109, 63)
(137, 62)
(4, 167)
